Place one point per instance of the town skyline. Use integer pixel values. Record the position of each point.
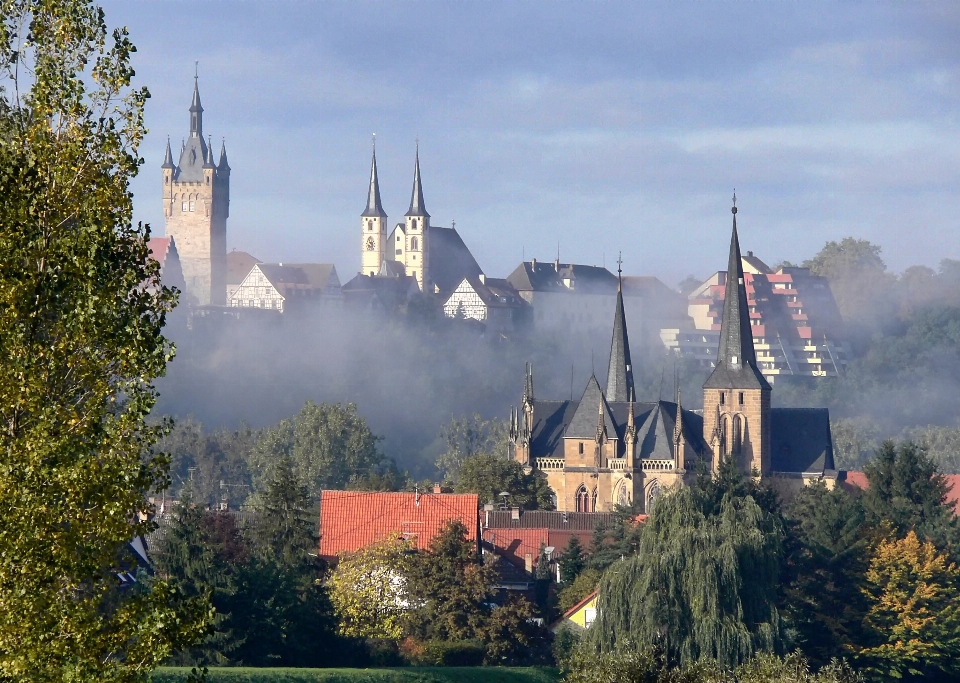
(636, 126)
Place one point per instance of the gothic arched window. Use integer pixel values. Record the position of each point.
(583, 499)
(622, 498)
(414, 243)
(653, 492)
(737, 433)
(723, 435)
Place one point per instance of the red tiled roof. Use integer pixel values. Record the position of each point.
(159, 246)
(515, 544)
(859, 479)
(350, 520)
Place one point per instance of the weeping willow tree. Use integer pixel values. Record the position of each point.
(702, 586)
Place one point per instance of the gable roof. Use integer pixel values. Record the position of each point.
(586, 419)
(546, 519)
(239, 265)
(493, 292)
(536, 276)
(450, 259)
(164, 251)
(304, 275)
(800, 440)
(350, 520)
(580, 605)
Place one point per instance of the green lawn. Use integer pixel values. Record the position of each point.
(451, 674)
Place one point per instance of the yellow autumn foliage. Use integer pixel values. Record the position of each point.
(369, 589)
(913, 624)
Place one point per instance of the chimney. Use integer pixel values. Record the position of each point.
(515, 514)
(556, 265)
(749, 253)
(483, 279)
(533, 263)
(437, 489)
(528, 563)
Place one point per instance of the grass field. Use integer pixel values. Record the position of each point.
(451, 674)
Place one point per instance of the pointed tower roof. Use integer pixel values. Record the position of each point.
(196, 112)
(168, 157)
(223, 165)
(620, 370)
(417, 207)
(374, 207)
(736, 359)
(208, 163)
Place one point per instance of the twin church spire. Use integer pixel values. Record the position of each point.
(375, 206)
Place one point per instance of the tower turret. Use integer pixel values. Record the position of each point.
(373, 224)
(620, 370)
(736, 387)
(196, 194)
(417, 252)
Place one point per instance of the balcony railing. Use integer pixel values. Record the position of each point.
(657, 465)
(617, 463)
(549, 463)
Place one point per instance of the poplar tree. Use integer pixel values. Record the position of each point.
(81, 312)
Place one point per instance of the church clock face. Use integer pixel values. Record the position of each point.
(371, 245)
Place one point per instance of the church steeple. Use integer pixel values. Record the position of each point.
(736, 359)
(374, 207)
(417, 207)
(620, 369)
(196, 112)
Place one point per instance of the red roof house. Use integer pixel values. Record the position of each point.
(859, 480)
(351, 520)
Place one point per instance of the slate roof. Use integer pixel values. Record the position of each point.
(620, 369)
(546, 519)
(450, 259)
(351, 520)
(283, 276)
(495, 292)
(374, 206)
(536, 276)
(800, 440)
(191, 160)
(239, 265)
(550, 420)
(586, 418)
(380, 291)
(417, 206)
(736, 366)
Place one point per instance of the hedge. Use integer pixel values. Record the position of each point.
(451, 674)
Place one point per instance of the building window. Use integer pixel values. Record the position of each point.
(741, 398)
(184, 207)
(583, 499)
(580, 447)
(414, 243)
(737, 434)
(723, 398)
(652, 494)
(398, 239)
(192, 204)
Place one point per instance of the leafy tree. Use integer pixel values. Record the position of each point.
(467, 437)
(854, 441)
(81, 312)
(328, 444)
(572, 561)
(449, 588)
(828, 549)
(489, 475)
(907, 491)
(585, 583)
(368, 589)
(703, 584)
(914, 619)
(512, 636)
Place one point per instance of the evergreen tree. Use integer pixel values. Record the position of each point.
(908, 492)
(615, 540)
(572, 561)
(703, 584)
(828, 550)
(81, 313)
(285, 522)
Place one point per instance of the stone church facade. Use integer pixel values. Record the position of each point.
(196, 204)
(608, 449)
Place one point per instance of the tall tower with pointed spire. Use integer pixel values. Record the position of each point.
(620, 369)
(196, 203)
(736, 397)
(417, 228)
(373, 224)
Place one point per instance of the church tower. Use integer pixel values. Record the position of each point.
(620, 371)
(373, 225)
(196, 203)
(736, 396)
(417, 229)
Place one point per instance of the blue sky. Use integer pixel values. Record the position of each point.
(601, 126)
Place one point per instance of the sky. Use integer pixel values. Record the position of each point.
(590, 127)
